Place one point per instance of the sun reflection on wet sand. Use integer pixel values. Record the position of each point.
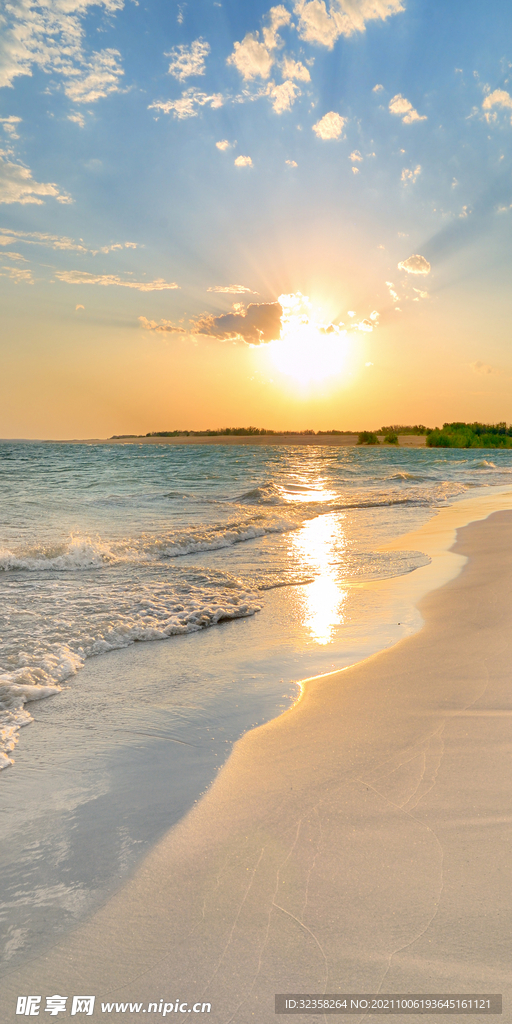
(318, 546)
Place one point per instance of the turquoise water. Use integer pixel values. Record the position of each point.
(104, 546)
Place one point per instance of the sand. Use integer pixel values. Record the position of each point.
(332, 440)
(359, 843)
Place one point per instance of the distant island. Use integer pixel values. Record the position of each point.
(450, 435)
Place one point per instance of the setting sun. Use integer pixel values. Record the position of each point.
(308, 349)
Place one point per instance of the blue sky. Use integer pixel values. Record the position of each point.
(169, 170)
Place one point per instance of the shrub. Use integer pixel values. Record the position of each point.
(391, 438)
(367, 437)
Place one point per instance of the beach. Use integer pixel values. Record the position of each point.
(359, 842)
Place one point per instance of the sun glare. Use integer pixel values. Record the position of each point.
(308, 349)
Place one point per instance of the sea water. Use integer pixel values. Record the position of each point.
(103, 546)
(252, 566)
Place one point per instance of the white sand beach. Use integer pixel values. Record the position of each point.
(358, 843)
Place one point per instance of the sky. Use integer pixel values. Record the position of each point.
(229, 213)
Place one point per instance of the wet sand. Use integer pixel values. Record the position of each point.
(359, 843)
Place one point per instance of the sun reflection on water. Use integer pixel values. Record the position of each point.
(318, 547)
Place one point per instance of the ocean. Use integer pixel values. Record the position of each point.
(102, 547)
(253, 566)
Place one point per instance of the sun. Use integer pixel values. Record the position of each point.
(308, 350)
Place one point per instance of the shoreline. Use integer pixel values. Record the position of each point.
(284, 770)
(331, 440)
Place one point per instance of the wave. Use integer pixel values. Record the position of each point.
(81, 553)
(263, 494)
(154, 612)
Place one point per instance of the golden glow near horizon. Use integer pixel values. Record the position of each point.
(317, 544)
(308, 350)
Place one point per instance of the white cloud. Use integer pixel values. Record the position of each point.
(498, 98)
(355, 157)
(377, 88)
(78, 119)
(364, 325)
(188, 103)
(404, 109)
(223, 144)
(50, 36)
(392, 292)
(188, 60)
(283, 96)
(291, 163)
(351, 312)
(420, 294)
(231, 289)
(344, 17)
(254, 59)
(415, 265)
(355, 170)
(79, 307)
(409, 175)
(97, 78)
(295, 69)
(10, 124)
(330, 126)
(17, 274)
(243, 161)
(82, 277)
(18, 186)
(277, 17)
(374, 315)
(59, 242)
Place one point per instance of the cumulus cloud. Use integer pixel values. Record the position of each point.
(409, 175)
(277, 17)
(243, 161)
(355, 170)
(188, 60)
(404, 109)
(231, 289)
(344, 17)
(18, 186)
(330, 126)
(187, 105)
(498, 98)
(295, 69)
(254, 59)
(223, 144)
(10, 125)
(378, 88)
(291, 163)
(259, 323)
(415, 265)
(479, 367)
(283, 96)
(355, 157)
(50, 36)
(82, 277)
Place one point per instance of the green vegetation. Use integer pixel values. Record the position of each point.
(400, 428)
(470, 435)
(367, 437)
(391, 438)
